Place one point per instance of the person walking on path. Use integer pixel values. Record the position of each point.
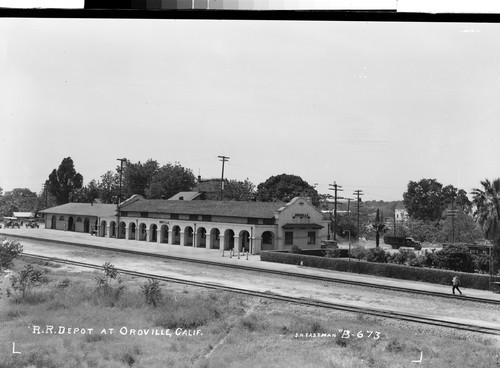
(456, 284)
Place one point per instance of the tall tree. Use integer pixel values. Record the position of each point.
(65, 180)
(108, 187)
(486, 201)
(235, 190)
(137, 177)
(170, 180)
(424, 200)
(285, 187)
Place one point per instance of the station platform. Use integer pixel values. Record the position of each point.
(216, 255)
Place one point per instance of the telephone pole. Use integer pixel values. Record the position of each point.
(223, 159)
(358, 193)
(452, 213)
(336, 188)
(118, 200)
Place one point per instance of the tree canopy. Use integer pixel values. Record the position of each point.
(170, 180)
(64, 181)
(284, 188)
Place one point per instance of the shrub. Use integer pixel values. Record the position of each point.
(296, 249)
(109, 284)
(152, 292)
(26, 280)
(437, 276)
(9, 250)
(454, 257)
(358, 253)
(376, 255)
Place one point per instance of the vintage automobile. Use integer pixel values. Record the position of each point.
(11, 222)
(31, 224)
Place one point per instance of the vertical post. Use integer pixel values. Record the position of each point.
(335, 188)
(119, 198)
(358, 193)
(223, 159)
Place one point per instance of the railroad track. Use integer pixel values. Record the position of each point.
(279, 273)
(277, 297)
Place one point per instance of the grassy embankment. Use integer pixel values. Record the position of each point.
(227, 330)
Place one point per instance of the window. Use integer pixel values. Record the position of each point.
(61, 218)
(269, 221)
(193, 217)
(311, 237)
(253, 221)
(144, 214)
(288, 237)
(206, 218)
(124, 213)
(174, 216)
(78, 219)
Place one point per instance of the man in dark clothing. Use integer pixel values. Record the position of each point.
(456, 283)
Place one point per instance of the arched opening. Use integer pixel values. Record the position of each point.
(267, 240)
(112, 229)
(214, 239)
(103, 229)
(244, 241)
(142, 232)
(121, 230)
(201, 238)
(176, 235)
(229, 239)
(71, 224)
(131, 231)
(188, 236)
(53, 222)
(164, 234)
(86, 225)
(153, 233)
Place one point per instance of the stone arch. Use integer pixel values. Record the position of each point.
(103, 230)
(213, 239)
(86, 225)
(228, 239)
(268, 240)
(176, 235)
(112, 229)
(142, 232)
(131, 231)
(201, 238)
(122, 230)
(164, 234)
(188, 236)
(153, 233)
(244, 243)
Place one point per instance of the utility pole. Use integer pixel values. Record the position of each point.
(46, 191)
(336, 188)
(358, 193)
(118, 200)
(452, 213)
(223, 159)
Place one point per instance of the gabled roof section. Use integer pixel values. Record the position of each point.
(186, 196)
(83, 209)
(214, 208)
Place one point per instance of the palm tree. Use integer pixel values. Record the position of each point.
(487, 213)
(379, 226)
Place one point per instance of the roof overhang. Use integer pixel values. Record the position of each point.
(302, 226)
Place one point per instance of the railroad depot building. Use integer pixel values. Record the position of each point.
(241, 226)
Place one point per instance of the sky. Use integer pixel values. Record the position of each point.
(367, 105)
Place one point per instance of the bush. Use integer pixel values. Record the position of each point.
(436, 276)
(9, 250)
(376, 255)
(28, 279)
(296, 249)
(152, 291)
(454, 257)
